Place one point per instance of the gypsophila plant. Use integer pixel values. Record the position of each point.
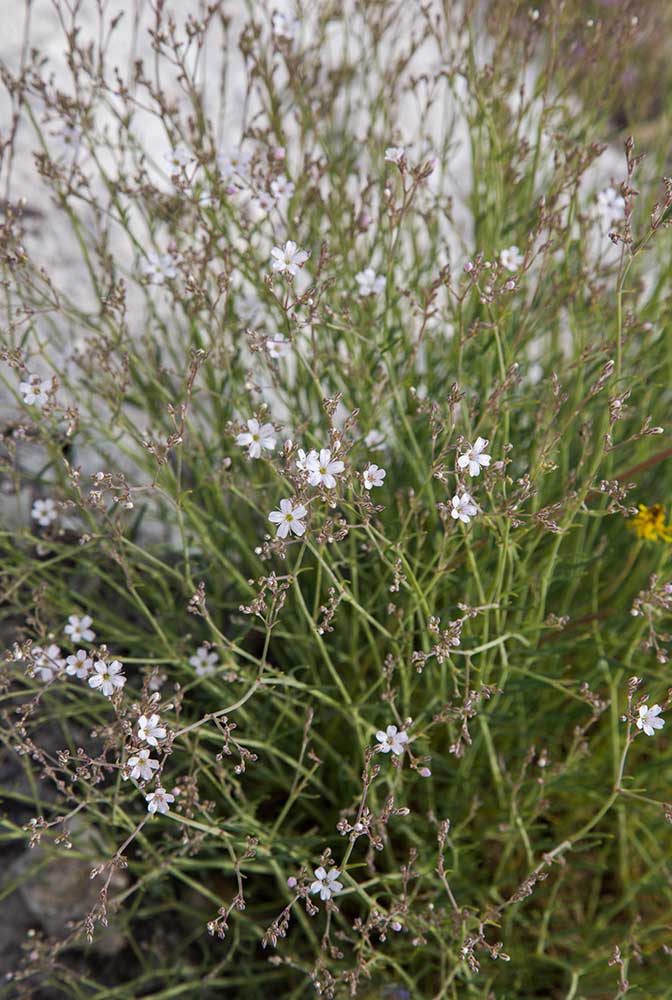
(336, 390)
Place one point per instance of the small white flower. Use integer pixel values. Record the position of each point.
(150, 731)
(79, 664)
(288, 258)
(323, 469)
(475, 457)
(179, 158)
(511, 258)
(264, 202)
(326, 882)
(373, 476)
(143, 766)
(394, 154)
(36, 390)
(392, 740)
(288, 518)
(284, 26)
(159, 800)
(204, 661)
(256, 437)
(463, 508)
(79, 629)
(235, 163)
(610, 205)
(108, 677)
(160, 267)
(369, 282)
(649, 719)
(306, 460)
(47, 662)
(282, 188)
(278, 346)
(374, 440)
(44, 512)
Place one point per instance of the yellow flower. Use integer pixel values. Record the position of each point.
(650, 523)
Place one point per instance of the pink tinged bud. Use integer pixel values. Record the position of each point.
(291, 882)
(396, 926)
(279, 153)
(230, 189)
(468, 267)
(424, 772)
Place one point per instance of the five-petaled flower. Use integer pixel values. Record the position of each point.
(463, 507)
(369, 282)
(373, 476)
(323, 469)
(36, 390)
(256, 437)
(44, 512)
(142, 765)
(159, 800)
(160, 267)
(233, 163)
(79, 629)
(649, 719)
(326, 882)
(107, 677)
(150, 731)
(282, 188)
(288, 258)
(179, 158)
(511, 258)
(475, 458)
(395, 154)
(306, 459)
(79, 664)
(47, 661)
(204, 661)
(392, 740)
(278, 346)
(289, 518)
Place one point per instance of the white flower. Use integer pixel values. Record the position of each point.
(282, 188)
(149, 730)
(44, 512)
(278, 346)
(204, 661)
(36, 390)
(47, 661)
(475, 457)
(610, 205)
(159, 800)
(79, 665)
(179, 158)
(306, 460)
(288, 258)
(284, 25)
(463, 508)
(256, 437)
(649, 719)
(511, 258)
(326, 882)
(374, 440)
(322, 469)
(79, 629)
(108, 677)
(392, 740)
(394, 154)
(373, 476)
(288, 518)
(159, 267)
(143, 766)
(264, 202)
(233, 163)
(369, 282)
